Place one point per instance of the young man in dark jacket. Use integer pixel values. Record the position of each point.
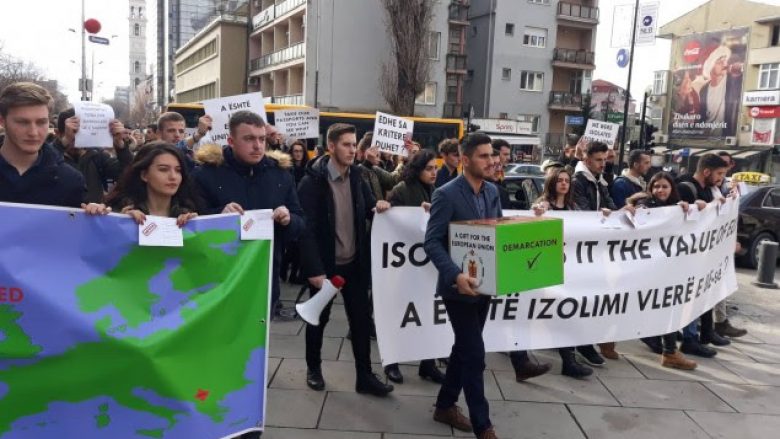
(632, 180)
(244, 176)
(448, 149)
(338, 203)
(31, 171)
(96, 165)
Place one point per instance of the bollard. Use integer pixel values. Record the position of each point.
(767, 260)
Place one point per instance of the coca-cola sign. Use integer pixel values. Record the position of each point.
(691, 52)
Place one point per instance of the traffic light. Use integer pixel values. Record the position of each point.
(649, 130)
(472, 127)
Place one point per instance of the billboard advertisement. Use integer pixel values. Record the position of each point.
(707, 72)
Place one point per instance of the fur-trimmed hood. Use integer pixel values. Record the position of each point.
(214, 155)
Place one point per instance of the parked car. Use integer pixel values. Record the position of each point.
(524, 169)
(759, 221)
(523, 190)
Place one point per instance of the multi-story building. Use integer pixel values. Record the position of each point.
(725, 54)
(531, 61)
(329, 54)
(213, 63)
(137, 23)
(177, 22)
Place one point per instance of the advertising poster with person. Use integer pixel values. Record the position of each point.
(707, 72)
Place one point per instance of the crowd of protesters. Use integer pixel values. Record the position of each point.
(323, 208)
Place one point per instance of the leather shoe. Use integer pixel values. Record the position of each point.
(453, 417)
(530, 369)
(714, 338)
(429, 371)
(314, 379)
(394, 374)
(490, 433)
(693, 347)
(370, 384)
(589, 354)
(724, 329)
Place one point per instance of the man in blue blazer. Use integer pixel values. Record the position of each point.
(467, 197)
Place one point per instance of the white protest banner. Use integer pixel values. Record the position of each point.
(598, 131)
(392, 132)
(94, 120)
(620, 284)
(298, 124)
(220, 110)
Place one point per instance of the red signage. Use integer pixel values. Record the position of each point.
(691, 52)
(770, 112)
(11, 295)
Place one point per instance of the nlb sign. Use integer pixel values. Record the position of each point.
(761, 98)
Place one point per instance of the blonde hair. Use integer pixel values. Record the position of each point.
(23, 94)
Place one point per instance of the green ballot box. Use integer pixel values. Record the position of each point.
(509, 255)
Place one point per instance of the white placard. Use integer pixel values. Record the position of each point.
(647, 24)
(94, 120)
(158, 231)
(257, 225)
(598, 131)
(220, 110)
(619, 284)
(391, 132)
(298, 124)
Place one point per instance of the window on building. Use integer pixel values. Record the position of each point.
(775, 41)
(503, 115)
(434, 42)
(535, 37)
(506, 74)
(137, 81)
(510, 29)
(140, 12)
(136, 67)
(137, 29)
(659, 82)
(469, 74)
(768, 76)
(428, 96)
(531, 81)
(533, 119)
(132, 11)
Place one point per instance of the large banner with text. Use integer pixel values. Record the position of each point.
(623, 279)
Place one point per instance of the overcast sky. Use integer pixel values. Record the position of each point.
(37, 31)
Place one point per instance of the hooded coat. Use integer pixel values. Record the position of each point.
(590, 192)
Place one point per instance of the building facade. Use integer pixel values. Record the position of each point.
(738, 41)
(329, 54)
(531, 62)
(213, 63)
(137, 46)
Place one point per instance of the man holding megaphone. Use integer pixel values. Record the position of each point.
(338, 204)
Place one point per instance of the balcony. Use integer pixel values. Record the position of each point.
(565, 101)
(459, 13)
(578, 13)
(456, 63)
(288, 100)
(263, 17)
(287, 6)
(574, 59)
(292, 53)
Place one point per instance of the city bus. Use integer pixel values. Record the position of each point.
(427, 131)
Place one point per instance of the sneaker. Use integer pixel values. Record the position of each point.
(372, 385)
(714, 338)
(453, 417)
(589, 354)
(574, 369)
(693, 347)
(677, 361)
(724, 329)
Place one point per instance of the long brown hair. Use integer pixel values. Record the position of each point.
(550, 182)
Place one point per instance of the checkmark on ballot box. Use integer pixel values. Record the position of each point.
(509, 255)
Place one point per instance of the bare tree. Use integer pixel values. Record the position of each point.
(13, 70)
(140, 110)
(121, 110)
(405, 74)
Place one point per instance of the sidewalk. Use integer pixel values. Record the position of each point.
(734, 395)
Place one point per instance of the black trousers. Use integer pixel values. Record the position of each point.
(467, 361)
(357, 307)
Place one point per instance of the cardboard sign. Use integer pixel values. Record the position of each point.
(298, 124)
(391, 133)
(598, 131)
(509, 255)
(94, 119)
(221, 109)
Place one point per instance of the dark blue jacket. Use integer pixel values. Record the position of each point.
(454, 202)
(622, 188)
(49, 181)
(222, 180)
(443, 176)
(318, 244)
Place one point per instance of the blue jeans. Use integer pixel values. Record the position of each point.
(467, 361)
(691, 332)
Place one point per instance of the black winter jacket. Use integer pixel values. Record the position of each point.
(590, 193)
(98, 168)
(318, 244)
(49, 181)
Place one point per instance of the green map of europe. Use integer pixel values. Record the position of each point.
(103, 338)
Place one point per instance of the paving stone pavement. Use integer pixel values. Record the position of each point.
(734, 395)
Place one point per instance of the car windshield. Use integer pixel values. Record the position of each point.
(526, 170)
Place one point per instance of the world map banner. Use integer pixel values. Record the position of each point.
(102, 338)
(624, 278)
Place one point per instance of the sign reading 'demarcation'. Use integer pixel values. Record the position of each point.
(221, 109)
(391, 133)
(598, 131)
(298, 124)
(94, 120)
